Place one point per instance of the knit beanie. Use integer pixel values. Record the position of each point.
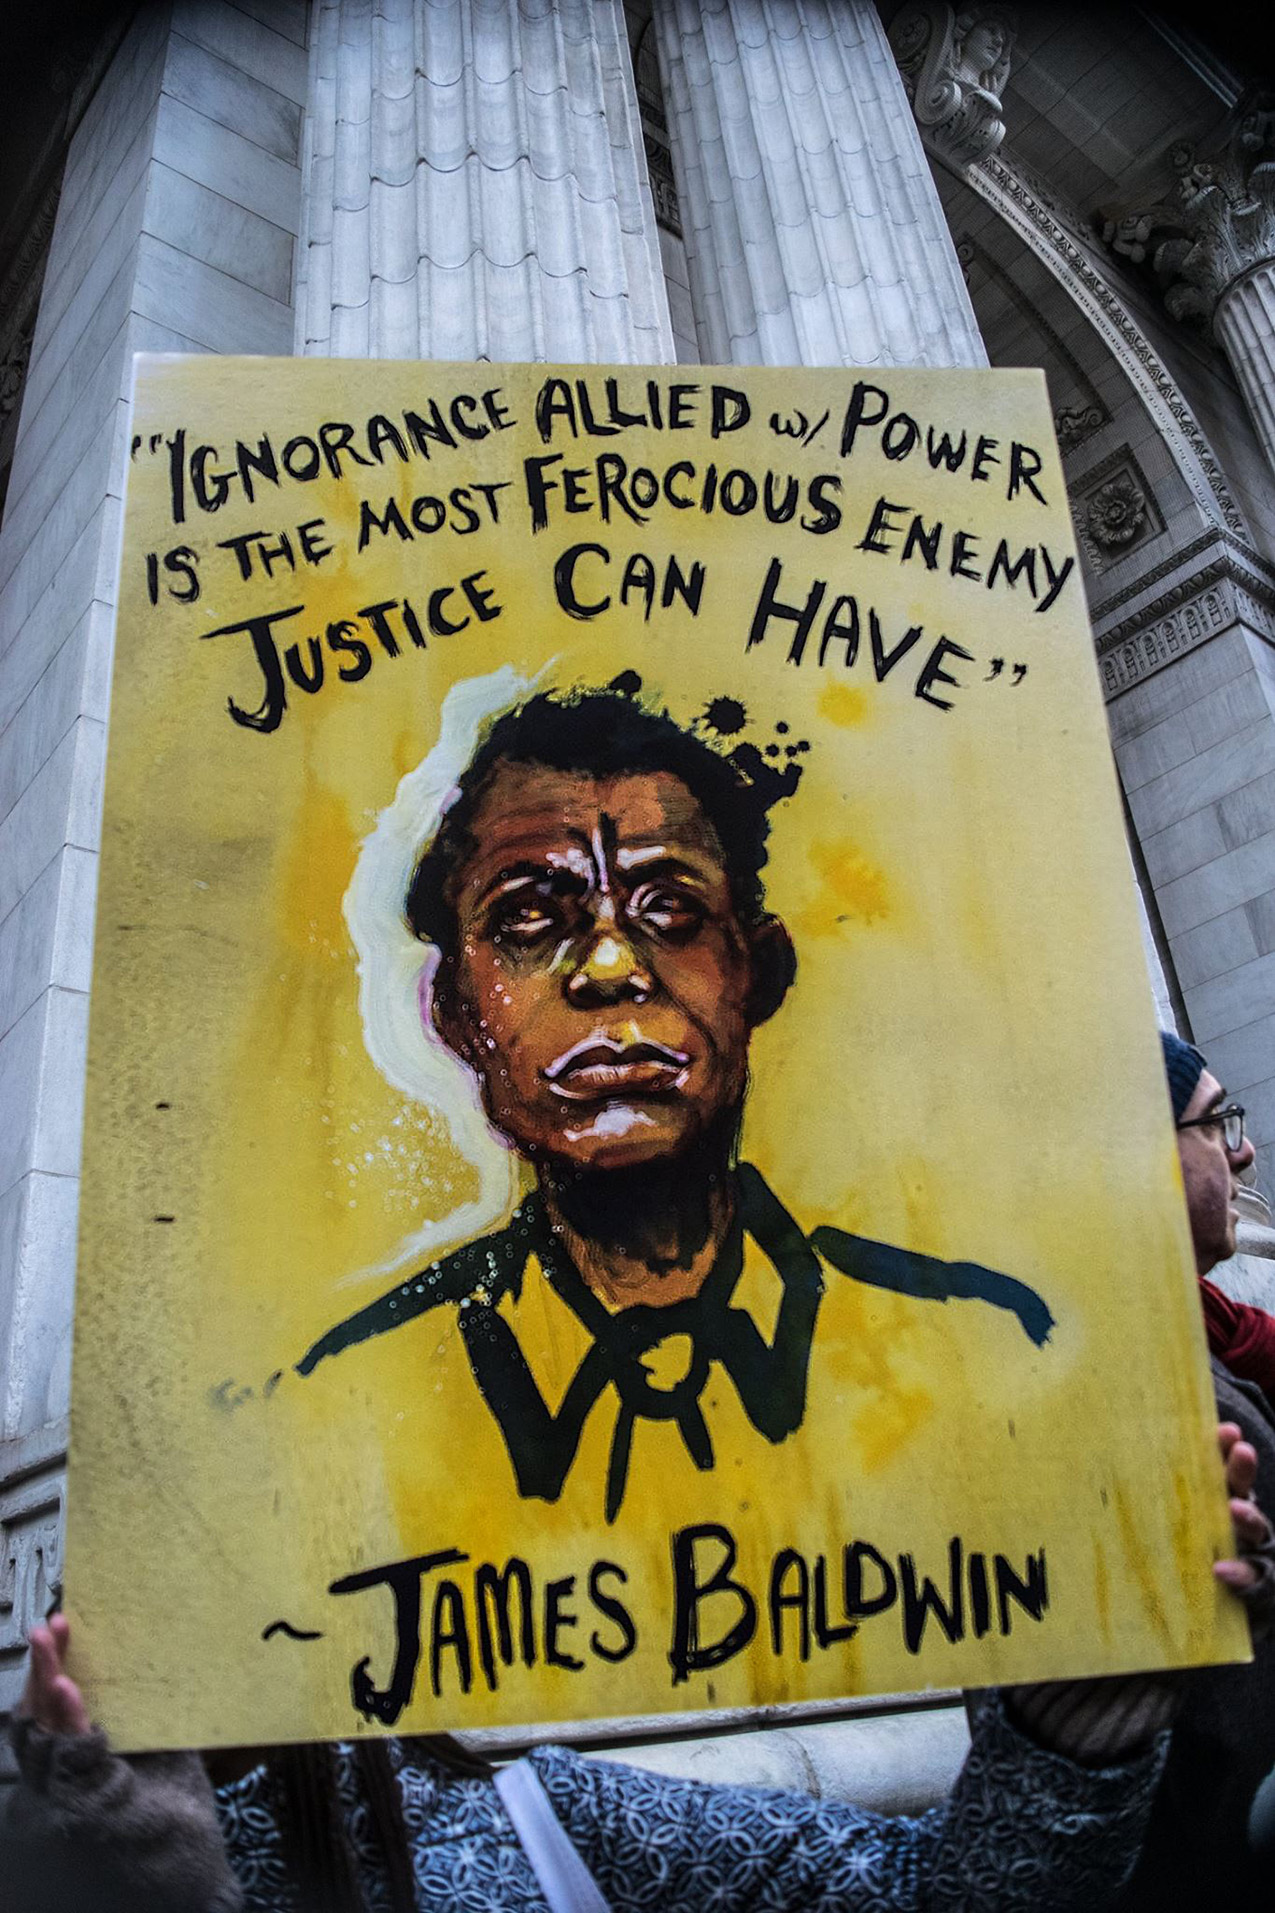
(1183, 1065)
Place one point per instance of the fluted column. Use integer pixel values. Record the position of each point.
(814, 232)
(476, 185)
(1244, 323)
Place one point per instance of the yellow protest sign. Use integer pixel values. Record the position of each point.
(627, 1165)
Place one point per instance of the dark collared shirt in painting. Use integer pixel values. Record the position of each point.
(710, 1329)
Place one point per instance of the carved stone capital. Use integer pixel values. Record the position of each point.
(955, 65)
(1214, 217)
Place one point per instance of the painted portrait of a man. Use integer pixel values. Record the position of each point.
(595, 896)
(627, 1153)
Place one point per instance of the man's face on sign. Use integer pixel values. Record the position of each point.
(603, 987)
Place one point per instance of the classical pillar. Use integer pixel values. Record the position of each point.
(814, 232)
(475, 185)
(1244, 324)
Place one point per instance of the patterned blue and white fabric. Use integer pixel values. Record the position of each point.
(1024, 1831)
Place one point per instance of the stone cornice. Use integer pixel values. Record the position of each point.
(34, 1454)
(1230, 558)
(1218, 584)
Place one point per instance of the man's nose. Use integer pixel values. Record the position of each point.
(1243, 1156)
(609, 970)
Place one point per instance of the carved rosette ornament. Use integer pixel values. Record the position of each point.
(1117, 512)
(955, 65)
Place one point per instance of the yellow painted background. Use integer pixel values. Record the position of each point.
(967, 1066)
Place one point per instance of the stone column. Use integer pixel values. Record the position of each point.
(1244, 323)
(476, 186)
(814, 232)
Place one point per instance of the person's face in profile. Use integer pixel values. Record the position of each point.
(1210, 1176)
(603, 987)
(982, 47)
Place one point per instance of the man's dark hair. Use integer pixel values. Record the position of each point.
(599, 734)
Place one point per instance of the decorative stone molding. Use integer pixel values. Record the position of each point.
(1227, 556)
(1159, 640)
(32, 1493)
(955, 66)
(1214, 220)
(1075, 423)
(20, 288)
(1072, 423)
(655, 138)
(1013, 192)
(1216, 584)
(13, 371)
(19, 304)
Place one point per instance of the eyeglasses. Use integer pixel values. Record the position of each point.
(1229, 1120)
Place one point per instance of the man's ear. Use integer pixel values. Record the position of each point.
(774, 966)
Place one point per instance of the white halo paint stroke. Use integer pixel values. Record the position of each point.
(395, 971)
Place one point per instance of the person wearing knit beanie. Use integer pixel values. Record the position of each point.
(1183, 1064)
(1210, 1169)
(1241, 1337)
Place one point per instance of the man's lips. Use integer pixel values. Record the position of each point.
(598, 1068)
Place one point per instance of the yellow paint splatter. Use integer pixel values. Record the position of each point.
(852, 889)
(843, 704)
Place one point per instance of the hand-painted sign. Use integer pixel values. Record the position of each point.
(626, 1157)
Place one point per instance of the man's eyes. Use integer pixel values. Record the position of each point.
(654, 910)
(524, 921)
(668, 913)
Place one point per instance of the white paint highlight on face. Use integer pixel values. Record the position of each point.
(617, 1119)
(396, 972)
